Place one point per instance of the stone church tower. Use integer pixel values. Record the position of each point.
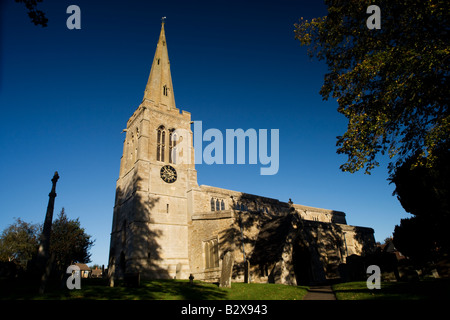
(150, 231)
(167, 226)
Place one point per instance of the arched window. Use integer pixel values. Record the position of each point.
(165, 90)
(172, 146)
(213, 204)
(217, 205)
(163, 145)
(207, 252)
(211, 254)
(160, 143)
(222, 205)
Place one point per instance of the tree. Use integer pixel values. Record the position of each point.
(391, 83)
(414, 239)
(69, 242)
(36, 16)
(19, 242)
(425, 193)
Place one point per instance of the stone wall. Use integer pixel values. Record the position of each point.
(275, 237)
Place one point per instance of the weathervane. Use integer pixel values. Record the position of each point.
(163, 19)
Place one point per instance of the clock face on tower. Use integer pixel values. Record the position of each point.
(168, 174)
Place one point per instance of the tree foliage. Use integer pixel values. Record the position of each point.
(391, 83)
(414, 239)
(36, 16)
(69, 242)
(19, 242)
(425, 193)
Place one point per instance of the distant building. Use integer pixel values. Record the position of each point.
(96, 273)
(84, 270)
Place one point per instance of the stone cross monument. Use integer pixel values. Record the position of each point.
(44, 247)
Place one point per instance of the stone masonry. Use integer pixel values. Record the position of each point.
(165, 225)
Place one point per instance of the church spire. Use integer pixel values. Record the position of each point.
(159, 87)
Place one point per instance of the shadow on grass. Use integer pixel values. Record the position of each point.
(98, 289)
(432, 289)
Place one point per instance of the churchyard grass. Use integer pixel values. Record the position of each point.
(436, 289)
(97, 289)
(266, 291)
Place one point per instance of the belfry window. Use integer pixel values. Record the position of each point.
(165, 90)
(160, 143)
(172, 146)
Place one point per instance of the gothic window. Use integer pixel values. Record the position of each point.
(160, 143)
(163, 145)
(222, 205)
(213, 204)
(211, 254)
(217, 205)
(172, 146)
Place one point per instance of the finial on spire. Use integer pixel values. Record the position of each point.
(163, 20)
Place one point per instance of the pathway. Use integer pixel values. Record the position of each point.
(320, 293)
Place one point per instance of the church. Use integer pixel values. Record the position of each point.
(166, 226)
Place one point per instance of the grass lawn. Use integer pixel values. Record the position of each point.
(97, 289)
(436, 289)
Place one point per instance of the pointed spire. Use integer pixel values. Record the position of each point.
(159, 87)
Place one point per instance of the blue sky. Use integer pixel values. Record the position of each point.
(66, 95)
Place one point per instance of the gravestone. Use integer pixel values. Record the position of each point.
(435, 274)
(227, 270)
